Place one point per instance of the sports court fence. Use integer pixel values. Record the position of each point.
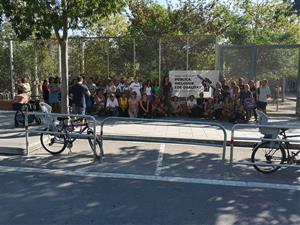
(151, 58)
(105, 57)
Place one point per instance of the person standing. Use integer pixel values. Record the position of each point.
(264, 93)
(156, 89)
(25, 86)
(45, 91)
(136, 86)
(78, 93)
(53, 97)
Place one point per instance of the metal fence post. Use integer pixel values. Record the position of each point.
(221, 61)
(108, 62)
(26, 133)
(82, 57)
(298, 85)
(12, 72)
(59, 59)
(187, 52)
(159, 61)
(134, 58)
(252, 75)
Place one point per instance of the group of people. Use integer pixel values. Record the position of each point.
(233, 101)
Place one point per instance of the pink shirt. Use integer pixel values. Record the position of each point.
(21, 98)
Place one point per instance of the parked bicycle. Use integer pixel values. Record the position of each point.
(32, 106)
(273, 154)
(57, 143)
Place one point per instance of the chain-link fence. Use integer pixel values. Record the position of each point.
(150, 58)
(105, 57)
(279, 64)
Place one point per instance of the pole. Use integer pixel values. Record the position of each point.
(221, 61)
(82, 58)
(59, 60)
(134, 58)
(108, 58)
(252, 75)
(12, 72)
(159, 61)
(36, 79)
(298, 85)
(187, 52)
(277, 98)
(283, 89)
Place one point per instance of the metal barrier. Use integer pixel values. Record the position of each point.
(55, 115)
(273, 129)
(102, 123)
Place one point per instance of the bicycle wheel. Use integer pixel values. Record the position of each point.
(270, 153)
(19, 119)
(53, 144)
(98, 151)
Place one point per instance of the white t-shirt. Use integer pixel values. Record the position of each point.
(136, 87)
(191, 104)
(121, 87)
(111, 103)
(264, 91)
(148, 90)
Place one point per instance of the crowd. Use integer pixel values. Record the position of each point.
(233, 101)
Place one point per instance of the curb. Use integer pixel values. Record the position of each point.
(249, 144)
(176, 140)
(6, 150)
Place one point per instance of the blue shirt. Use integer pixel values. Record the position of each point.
(78, 91)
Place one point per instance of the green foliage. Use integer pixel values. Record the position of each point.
(40, 18)
(193, 25)
(114, 26)
(263, 22)
(4, 66)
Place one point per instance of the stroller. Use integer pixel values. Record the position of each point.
(32, 106)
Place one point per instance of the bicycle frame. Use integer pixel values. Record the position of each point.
(66, 131)
(286, 144)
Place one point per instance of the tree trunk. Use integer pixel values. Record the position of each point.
(64, 76)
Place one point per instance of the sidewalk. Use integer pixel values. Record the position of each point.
(186, 132)
(12, 140)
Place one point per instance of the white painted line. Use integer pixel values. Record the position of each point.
(160, 159)
(81, 173)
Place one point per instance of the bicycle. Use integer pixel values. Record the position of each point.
(273, 153)
(19, 118)
(57, 143)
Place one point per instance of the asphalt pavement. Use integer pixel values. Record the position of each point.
(142, 182)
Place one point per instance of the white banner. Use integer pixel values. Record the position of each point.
(193, 82)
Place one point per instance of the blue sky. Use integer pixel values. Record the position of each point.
(163, 2)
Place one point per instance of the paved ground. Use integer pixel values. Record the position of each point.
(142, 183)
(12, 139)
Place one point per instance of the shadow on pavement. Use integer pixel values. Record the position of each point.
(138, 159)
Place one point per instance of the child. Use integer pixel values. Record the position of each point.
(239, 112)
(123, 103)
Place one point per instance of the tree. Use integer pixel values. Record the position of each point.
(42, 18)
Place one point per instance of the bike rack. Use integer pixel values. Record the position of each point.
(272, 128)
(213, 124)
(55, 115)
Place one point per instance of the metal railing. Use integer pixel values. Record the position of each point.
(52, 116)
(213, 124)
(274, 131)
